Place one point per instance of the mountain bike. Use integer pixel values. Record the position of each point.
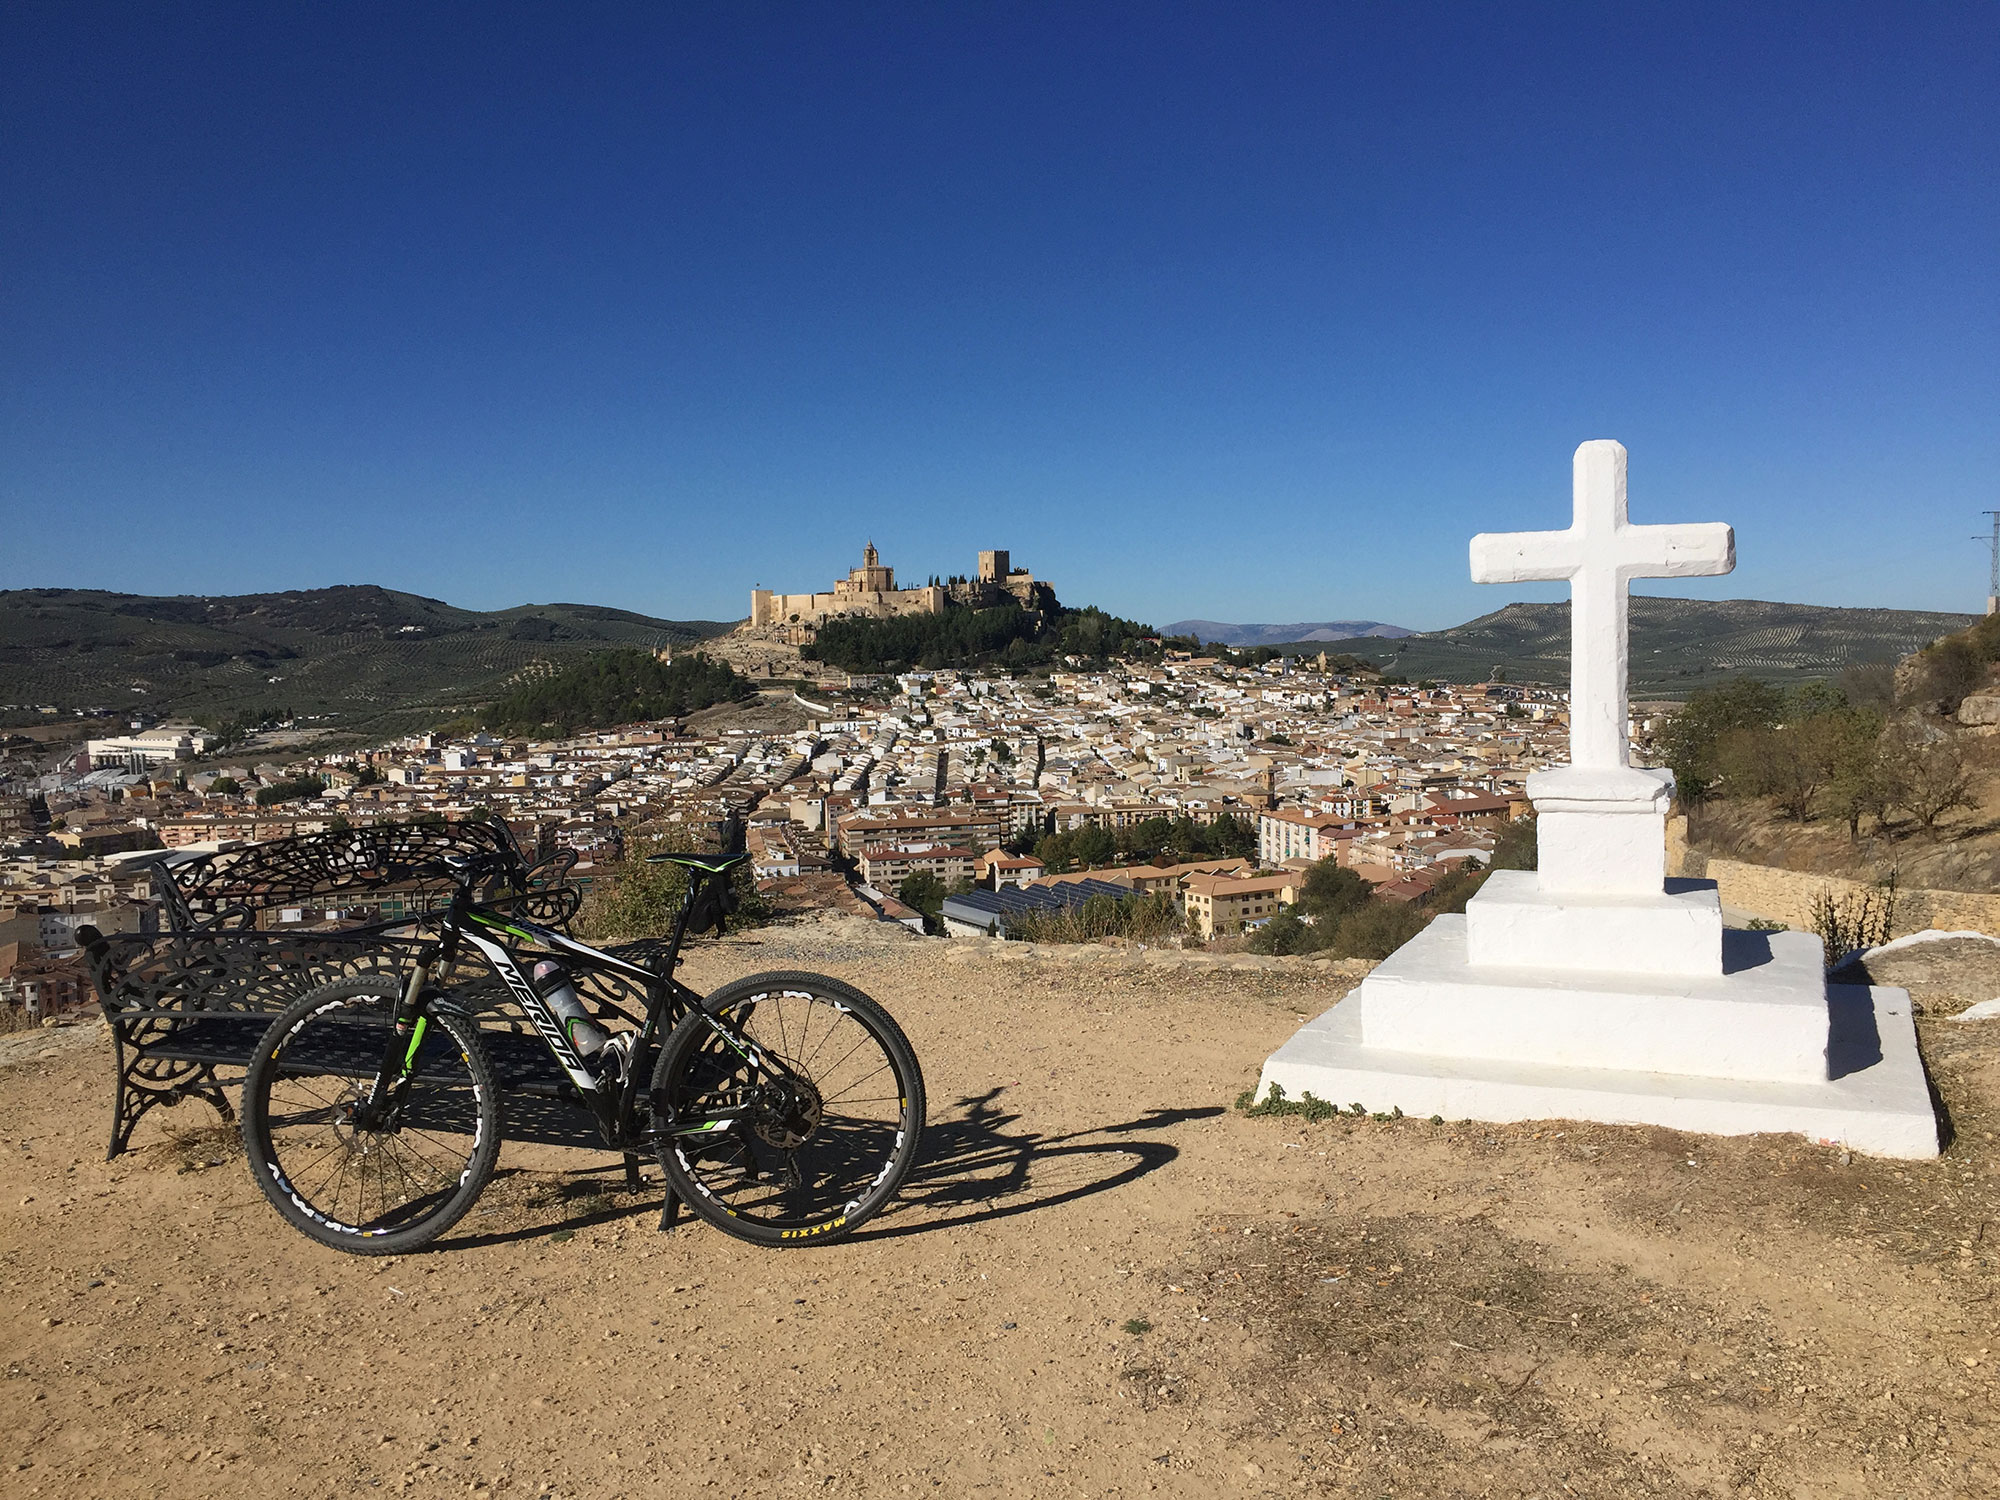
(785, 1108)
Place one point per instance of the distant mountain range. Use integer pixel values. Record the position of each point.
(1281, 635)
(382, 661)
(1678, 645)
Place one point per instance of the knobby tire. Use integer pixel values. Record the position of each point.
(826, 1135)
(368, 1192)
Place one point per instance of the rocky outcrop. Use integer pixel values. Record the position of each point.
(1979, 709)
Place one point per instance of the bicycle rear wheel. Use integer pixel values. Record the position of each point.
(798, 1120)
(380, 1189)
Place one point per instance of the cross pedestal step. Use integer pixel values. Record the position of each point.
(1765, 1045)
(1881, 1106)
(1602, 832)
(1761, 1016)
(1514, 923)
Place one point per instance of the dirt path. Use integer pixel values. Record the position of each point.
(1104, 1282)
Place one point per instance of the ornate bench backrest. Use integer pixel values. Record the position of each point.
(233, 888)
(260, 972)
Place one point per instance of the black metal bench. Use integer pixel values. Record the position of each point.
(186, 1003)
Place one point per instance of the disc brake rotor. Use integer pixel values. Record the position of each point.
(786, 1112)
(346, 1124)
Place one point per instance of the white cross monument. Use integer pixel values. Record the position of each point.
(1593, 987)
(1606, 828)
(1601, 553)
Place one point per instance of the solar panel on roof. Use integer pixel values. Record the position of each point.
(983, 908)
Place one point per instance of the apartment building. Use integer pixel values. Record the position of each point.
(886, 866)
(1291, 833)
(1219, 905)
(979, 828)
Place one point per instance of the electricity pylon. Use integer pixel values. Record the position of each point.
(1993, 578)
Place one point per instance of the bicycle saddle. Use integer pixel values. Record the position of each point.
(708, 864)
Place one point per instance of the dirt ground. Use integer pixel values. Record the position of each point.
(1103, 1281)
(1943, 975)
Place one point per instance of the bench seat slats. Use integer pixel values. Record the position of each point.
(225, 1039)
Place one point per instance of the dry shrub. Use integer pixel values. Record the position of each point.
(1144, 919)
(1860, 919)
(192, 1148)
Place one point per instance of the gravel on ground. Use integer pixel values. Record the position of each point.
(1104, 1280)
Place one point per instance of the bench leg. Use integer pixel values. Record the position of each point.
(211, 1091)
(148, 1082)
(129, 1108)
(633, 1181)
(121, 1129)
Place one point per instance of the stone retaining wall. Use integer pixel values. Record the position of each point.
(1767, 891)
(1781, 895)
(1787, 896)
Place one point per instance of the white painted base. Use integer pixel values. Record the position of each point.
(1764, 1018)
(1877, 1101)
(1601, 832)
(1513, 923)
(1602, 852)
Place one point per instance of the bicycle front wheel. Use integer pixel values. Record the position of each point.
(796, 1117)
(369, 1186)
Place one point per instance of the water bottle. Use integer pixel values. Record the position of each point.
(552, 983)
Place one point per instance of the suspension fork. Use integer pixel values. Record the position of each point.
(409, 1023)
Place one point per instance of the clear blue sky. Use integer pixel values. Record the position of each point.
(1236, 312)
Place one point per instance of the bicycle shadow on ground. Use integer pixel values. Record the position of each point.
(980, 1166)
(975, 1167)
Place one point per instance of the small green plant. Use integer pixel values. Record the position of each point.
(1307, 1106)
(1136, 1326)
(1765, 924)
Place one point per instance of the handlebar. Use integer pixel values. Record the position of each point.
(468, 870)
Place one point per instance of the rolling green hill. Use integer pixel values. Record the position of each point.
(1678, 645)
(377, 660)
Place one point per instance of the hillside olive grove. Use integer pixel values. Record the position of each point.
(607, 688)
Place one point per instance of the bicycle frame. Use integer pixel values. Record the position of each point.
(616, 1110)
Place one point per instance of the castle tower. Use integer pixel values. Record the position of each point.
(993, 567)
(871, 577)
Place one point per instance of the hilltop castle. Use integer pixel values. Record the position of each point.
(870, 591)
